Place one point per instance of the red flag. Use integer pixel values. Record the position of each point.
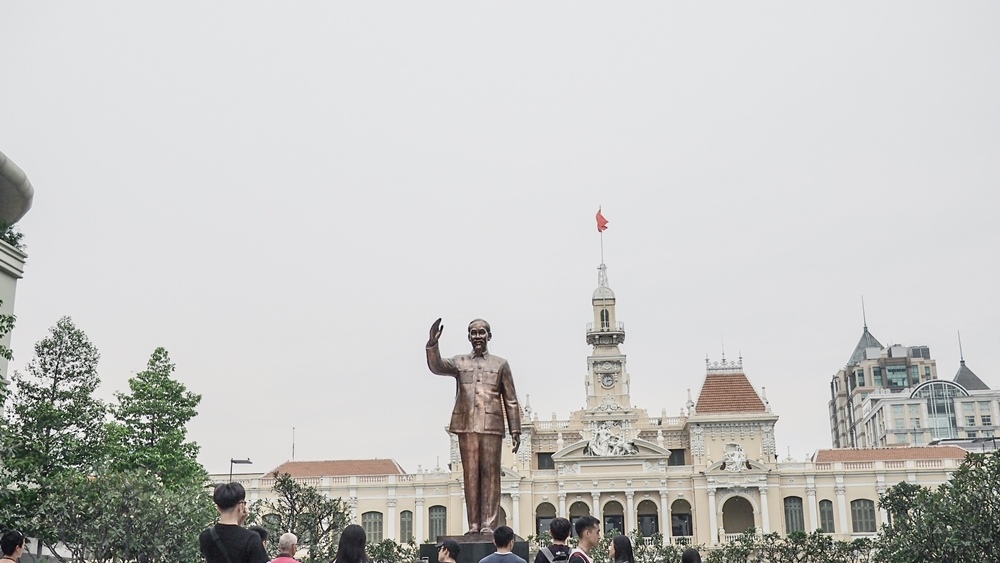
(602, 223)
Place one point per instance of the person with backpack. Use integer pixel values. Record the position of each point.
(228, 541)
(559, 528)
(588, 530)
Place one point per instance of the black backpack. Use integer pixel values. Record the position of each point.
(553, 557)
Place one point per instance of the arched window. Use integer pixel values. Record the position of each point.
(437, 517)
(576, 510)
(680, 519)
(605, 319)
(372, 523)
(405, 526)
(793, 515)
(614, 517)
(863, 516)
(826, 517)
(649, 522)
(545, 513)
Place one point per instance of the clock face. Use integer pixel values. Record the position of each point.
(607, 380)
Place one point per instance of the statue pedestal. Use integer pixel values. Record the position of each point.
(472, 548)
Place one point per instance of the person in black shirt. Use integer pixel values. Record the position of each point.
(558, 551)
(228, 541)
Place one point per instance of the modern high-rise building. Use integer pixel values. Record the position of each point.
(964, 408)
(873, 368)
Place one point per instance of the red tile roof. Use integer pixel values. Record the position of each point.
(890, 454)
(728, 392)
(339, 467)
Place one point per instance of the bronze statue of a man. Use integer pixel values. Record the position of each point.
(484, 392)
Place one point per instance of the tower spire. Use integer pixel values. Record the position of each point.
(961, 355)
(864, 317)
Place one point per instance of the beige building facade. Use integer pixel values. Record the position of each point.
(703, 476)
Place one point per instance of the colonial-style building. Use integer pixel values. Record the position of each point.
(704, 476)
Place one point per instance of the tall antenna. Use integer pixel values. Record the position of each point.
(863, 316)
(961, 355)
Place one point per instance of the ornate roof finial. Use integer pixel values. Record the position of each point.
(864, 317)
(723, 338)
(602, 275)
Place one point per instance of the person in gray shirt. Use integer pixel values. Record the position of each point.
(503, 538)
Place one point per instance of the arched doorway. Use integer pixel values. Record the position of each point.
(649, 522)
(680, 519)
(614, 517)
(737, 515)
(576, 510)
(544, 514)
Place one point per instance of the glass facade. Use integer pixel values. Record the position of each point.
(940, 396)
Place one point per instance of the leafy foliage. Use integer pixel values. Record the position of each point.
(798, 547)
(151, 425)
(54, 423)
(958, 521)
(388, 551)
(125, 516)
(304, 511)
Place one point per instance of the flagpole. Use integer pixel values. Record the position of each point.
(602, 247)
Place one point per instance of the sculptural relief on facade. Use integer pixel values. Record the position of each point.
(609, 440)
(736, 458)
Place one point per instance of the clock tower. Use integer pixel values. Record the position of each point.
(607, 381)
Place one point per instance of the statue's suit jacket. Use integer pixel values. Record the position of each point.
(484, 392)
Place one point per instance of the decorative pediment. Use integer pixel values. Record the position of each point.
(580, 451)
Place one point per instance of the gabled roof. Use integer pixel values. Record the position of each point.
(339, 467)
(866, 341)
(728, 392)
(969, 380)
(889, 454)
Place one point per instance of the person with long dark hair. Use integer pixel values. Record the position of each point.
(351, 548)
(690, 555)
(620, 550)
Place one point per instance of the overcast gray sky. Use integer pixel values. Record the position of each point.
(286, 195)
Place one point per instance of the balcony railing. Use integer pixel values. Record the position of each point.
(683, 540)
(606, 327)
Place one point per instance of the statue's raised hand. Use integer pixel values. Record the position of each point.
(436, 329)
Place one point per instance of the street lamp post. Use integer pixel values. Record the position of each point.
(238, 462)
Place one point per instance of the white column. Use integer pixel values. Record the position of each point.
(514, 520)
(352, 504)
(465, 516)
(562, 505)
(419, 529)
(765, 512)
(390, 524)
(665, 523)
(631, 519)
(713, 518)
(812, 509)
(596, 510)
(844, 525)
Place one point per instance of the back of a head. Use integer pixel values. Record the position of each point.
(10, 541)
(584, 523)
(690, 555)
(287, 541)
(228, 495)
(559, 528)
(260, 532)
(352, 545)
(502, 536)
(623, 549)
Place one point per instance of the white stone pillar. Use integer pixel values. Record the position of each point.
(419, 528)
(666, 527)
(844, 525)
(390, 524)
(631, 518)
(562, 505)
(812, 509)
(465, 516)
(713, 518)
(515, 519)
(595, 510)
(765, 511)
(352, 505)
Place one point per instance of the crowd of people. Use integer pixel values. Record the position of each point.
(229, 542)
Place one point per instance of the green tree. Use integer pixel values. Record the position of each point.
(957, 521)
(304, 511)
(150, 426)
(388, 551)
(54, 423)
(124, 517)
